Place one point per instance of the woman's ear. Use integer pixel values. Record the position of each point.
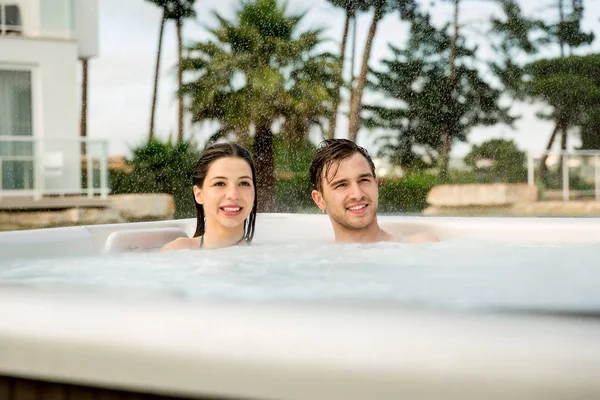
(198, 195)
(318, 199)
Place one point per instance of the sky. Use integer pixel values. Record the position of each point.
(121, 76)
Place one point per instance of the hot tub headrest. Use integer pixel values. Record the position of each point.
(141, 239)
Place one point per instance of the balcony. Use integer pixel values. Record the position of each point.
(33, 167)
(10, 20)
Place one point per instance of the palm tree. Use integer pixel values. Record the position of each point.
(351, 7)
(162, 4)
(381, 8)
(176, 10)
(257, 71)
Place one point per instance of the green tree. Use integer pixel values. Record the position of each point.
(498, 160)
(161, 167)
(525, 36)
(178, 11)
(160, 3)
(571, 86)
(256, 71)
(380, 9)
(351, 8)
(436, 107)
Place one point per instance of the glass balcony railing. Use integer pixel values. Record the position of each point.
(41, 167)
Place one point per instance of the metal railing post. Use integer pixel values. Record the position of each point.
(0, 177)
(38, 167)
(104, 170)
(90, 171)
(597, 176)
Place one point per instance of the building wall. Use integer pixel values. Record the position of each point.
(54, 98)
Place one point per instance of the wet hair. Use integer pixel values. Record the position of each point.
(330, 154)
(209, 156)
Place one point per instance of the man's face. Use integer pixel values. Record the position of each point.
(349, 193)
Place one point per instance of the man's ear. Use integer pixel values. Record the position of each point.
(318, 199)
(198, 195)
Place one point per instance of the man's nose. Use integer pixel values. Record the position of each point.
(355, 192)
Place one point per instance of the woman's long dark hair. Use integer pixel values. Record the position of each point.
(210, 155)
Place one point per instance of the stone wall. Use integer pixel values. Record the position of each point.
(502, 200)
(123, 208)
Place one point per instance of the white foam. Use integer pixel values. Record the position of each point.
(456, 274)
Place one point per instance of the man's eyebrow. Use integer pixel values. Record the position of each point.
(333, 183)
(342, 180)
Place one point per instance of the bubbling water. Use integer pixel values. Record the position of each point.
(456, 274)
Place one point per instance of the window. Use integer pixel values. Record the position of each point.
(10, 20)
(16, 130)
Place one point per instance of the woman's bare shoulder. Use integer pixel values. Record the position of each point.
(181, 243)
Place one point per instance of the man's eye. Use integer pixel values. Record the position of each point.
(340, 185)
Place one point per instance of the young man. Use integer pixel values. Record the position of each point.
(346, 187)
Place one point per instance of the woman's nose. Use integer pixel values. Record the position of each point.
(233, 192)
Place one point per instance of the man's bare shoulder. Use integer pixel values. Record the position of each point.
(181, 243)
(423, 237)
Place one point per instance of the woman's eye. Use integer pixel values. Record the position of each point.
(245, 183)
(219, 184)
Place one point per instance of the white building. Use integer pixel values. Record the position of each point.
(41, 42)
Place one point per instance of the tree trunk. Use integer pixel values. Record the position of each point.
(242, 135)
(447, 134)
(543, 166)
(356, 100)
(179, 23)
(336, 101)
(84, 99)
(265, 168)
(561, 16)
(156, 73)
(353, 58)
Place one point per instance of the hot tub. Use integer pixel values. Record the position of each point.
(500, 308)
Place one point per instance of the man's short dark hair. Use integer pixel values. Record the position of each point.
(330, 154)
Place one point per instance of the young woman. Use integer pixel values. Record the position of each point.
(225, 197)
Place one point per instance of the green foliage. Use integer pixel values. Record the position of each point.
(160, 167)
(408, 194)
(497, 160)
(293, 194)
(258, 69)
(405, 195)
(292, 156)
(176, 9)
(571, 85)
(430, 103)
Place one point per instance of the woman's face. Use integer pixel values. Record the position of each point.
(227, 194)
